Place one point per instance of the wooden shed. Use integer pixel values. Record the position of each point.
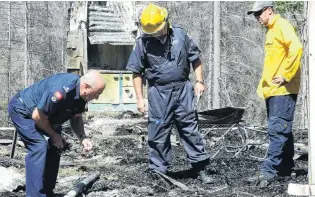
(101, 37)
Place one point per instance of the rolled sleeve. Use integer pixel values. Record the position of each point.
(192, 49)
(135, 62)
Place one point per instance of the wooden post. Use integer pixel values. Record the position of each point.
(304, 76)
(311, 134)
(297, 189)
(14, 138)
(77, 38)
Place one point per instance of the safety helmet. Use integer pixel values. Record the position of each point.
(153, 20)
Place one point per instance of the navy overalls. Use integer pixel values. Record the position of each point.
(170, 96)
(58, 97)
(280, 111)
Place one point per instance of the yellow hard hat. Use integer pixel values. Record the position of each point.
(153, 19)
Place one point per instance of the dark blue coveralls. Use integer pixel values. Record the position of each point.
(58, 97)
(280, 111)
(170, 96)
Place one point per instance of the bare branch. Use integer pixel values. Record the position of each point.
(240, 63)
(250, 41)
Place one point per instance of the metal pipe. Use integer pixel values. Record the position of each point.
(13, 144)
(79, 188)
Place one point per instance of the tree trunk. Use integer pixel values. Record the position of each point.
(26, 45)
(9, 55)
(216, 58)
(62, 45)
(210, 80)
(49, 28)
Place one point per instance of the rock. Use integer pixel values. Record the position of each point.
(11, 180)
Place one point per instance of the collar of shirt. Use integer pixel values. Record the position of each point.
(272, 22)
(163, 39)
(77, 89)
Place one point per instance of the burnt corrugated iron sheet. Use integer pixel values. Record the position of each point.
(112, 24)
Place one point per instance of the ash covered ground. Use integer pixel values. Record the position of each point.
(120, 155)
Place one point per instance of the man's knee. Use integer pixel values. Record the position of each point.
(39, 149)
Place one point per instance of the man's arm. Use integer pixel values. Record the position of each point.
(198, 70)
(41, 120)
(137, 84)
(295, 50)
(136, 65)
(199, 87)
(77, 126)
(194, 54)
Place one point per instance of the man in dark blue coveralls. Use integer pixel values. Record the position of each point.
(38, 112)
(163, 55)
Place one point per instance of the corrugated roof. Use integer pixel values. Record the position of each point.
(112, 24)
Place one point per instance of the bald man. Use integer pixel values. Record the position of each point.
(38, 111)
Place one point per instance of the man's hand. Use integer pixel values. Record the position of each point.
(141, 105)
(56, 140)
(199, 88)
(279, 80)
(87, 145)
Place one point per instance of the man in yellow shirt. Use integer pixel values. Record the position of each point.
(279, 86)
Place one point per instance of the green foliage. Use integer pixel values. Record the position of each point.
(3, 105)
(289, 7)
(292, 10)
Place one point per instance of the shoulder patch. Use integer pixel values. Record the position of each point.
(69, 87)
(58, 95)
(66, 88)
(53, 99)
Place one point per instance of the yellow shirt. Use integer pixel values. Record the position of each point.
(283, 52)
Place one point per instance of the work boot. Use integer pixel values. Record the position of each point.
(287, 174)
(204, 177)
(261, 180)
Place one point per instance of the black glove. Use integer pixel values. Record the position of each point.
(66, 146)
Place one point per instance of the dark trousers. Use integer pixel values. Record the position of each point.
(280, 111)
(169, 104)
(42, 162)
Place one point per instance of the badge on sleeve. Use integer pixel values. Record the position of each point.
(53, 99)
(57, 96)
